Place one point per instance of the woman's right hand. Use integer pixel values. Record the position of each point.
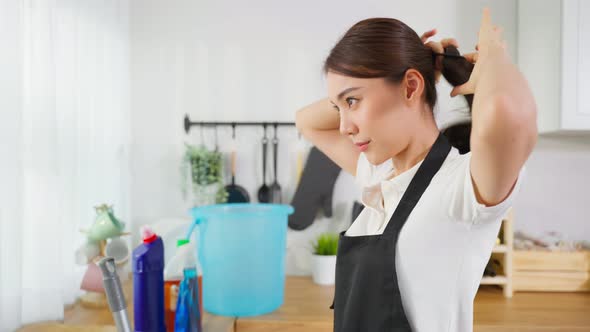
(437, 47)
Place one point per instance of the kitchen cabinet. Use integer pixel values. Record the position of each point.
(554, 54)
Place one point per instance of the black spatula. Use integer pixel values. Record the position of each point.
(275, 188)
(236, 193)
(264, 191)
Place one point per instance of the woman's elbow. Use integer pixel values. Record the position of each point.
(519, 116)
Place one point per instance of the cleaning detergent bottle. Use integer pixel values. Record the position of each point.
(189, 313)
(148, 283)
(173, 274)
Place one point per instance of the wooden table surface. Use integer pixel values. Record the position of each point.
(306, 308)
(79, 318)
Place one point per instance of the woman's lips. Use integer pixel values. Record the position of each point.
(363, 145)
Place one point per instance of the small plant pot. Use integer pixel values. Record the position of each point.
(323, 269)
(206, 195)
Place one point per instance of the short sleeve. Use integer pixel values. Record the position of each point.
(464, 205)
(368, 174)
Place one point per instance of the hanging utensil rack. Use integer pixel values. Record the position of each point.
(188, 124)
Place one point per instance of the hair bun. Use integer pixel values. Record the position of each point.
(456, 69)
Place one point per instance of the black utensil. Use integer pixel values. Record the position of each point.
(216, 141)
(275, 188)
(264, 191)
(236, 193)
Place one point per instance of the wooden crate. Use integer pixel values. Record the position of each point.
(551, 271)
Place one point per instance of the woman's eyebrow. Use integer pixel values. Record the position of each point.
(345, 91)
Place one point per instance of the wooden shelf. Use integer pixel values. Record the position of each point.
(504, 253)
(500, 248)
(497, 280)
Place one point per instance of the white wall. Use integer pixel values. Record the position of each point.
(261, 61)
(555, 194)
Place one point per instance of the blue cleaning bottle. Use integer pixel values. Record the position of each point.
(188, 315)
(148, 283)
(188, 311)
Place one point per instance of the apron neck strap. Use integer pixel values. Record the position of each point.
(432, 163)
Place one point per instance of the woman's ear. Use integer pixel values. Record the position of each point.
(413, 85)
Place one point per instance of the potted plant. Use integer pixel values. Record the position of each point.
(206, 173)
(323, 267)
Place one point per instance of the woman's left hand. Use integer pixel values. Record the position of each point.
(490, 47)
(504, 117)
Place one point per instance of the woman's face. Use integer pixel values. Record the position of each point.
(375, 111)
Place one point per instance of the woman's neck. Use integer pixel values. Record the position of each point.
(418, 147)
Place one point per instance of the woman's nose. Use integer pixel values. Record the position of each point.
(347, 127)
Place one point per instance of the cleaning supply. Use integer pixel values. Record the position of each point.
(172, 277)
(173, 273)
(242, 250)
(114, 293)
(148, 283)
(188, 313)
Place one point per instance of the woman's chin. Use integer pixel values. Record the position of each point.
(375, 159)
(371, 158)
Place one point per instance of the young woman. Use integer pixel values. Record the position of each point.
(413, 259)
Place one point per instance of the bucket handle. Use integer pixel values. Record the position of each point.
(192, 228)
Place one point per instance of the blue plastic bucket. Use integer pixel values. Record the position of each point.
(242, 249)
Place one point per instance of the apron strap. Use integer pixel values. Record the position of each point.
(431, 164)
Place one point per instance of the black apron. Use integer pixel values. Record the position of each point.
(367, 296)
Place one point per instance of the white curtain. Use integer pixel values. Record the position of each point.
(65, 134)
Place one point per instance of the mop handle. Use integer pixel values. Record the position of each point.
(114, 293)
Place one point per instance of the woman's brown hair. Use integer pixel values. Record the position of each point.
(387, 48)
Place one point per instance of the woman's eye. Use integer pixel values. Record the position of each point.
(351, 101)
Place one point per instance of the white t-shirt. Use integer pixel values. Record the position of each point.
(445, 243)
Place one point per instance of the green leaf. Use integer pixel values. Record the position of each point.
(326, 244)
